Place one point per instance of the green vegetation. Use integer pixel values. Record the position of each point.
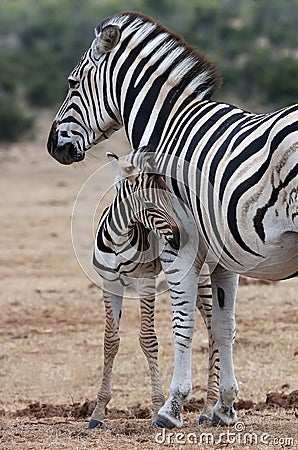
(254, 44)
(13, 121)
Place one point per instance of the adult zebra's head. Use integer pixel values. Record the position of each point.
(134, 73)
(88, 115)
(143, 197)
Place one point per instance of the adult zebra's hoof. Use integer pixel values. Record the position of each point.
(163, 422)
(93, 423)
(223, 415)
(223, 422)
(217, 421)
(204, 419)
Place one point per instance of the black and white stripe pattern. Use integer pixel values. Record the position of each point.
(124, 256)
(236, 171)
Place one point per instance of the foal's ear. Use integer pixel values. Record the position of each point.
(107, 39)
(123, 169)
(114, 160)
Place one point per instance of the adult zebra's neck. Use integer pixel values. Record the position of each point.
(154, 72)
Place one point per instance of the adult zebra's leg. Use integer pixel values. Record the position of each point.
(183, 296)
(204, 305)
(148, 339)
(113, 308)
(224, 291)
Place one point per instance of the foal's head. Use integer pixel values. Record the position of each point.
(145, 196)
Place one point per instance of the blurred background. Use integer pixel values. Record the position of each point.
(254, 43)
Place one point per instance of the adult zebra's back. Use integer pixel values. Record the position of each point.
(237, 171)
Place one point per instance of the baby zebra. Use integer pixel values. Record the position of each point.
(125, 253)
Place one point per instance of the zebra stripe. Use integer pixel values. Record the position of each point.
(139, 267)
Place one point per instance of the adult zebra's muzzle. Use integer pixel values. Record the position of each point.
(66, 153)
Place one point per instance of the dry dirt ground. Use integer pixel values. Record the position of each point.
(51, 329)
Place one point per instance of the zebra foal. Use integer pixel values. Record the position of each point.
(124, 255)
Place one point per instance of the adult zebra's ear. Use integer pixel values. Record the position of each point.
(107, 39)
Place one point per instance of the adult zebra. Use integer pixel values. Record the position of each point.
(237, 171)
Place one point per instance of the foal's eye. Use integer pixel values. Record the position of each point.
(149, 205)
(73, 84)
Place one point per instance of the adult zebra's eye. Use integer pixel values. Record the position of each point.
(73, 84)
(149, 205)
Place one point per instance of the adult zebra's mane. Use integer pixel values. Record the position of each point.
(188, 68)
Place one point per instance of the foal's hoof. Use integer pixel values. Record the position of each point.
(93, 423)
(163, 422)
(204, 419)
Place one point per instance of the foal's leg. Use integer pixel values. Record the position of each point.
(204, 305)
(224, 290)
(113, 308)
(148, 339)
